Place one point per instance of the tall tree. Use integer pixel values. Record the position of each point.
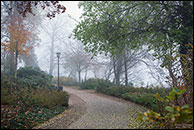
(161, 25)
(77, 59)
(20, 9)
(54, 30)
(158, 24)
(19, 35)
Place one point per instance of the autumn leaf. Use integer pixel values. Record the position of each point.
(19, 35)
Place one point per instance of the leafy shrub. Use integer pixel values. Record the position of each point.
(119, 90)
(178, 109)
(66, 81)
(48, 98)
(33, 77)
(116, 91)
(145, 99)
(30, 99)
(8, 90)
(171, 116)
(32, 87)
(100, 85)
(7, 97)
(103, 85)
(34, 97)
(89, 84)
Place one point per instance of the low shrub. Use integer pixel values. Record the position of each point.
(33, 77)
(89, 84)
(32, 87)
(100, 85)
(48, 98)
(30, 99)
(145, 99)
(117, 91)
(103, 85)
(65, 81)
(7, 97)
(34, 97)
(171, 116)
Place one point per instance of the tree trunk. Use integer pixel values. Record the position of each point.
(11, 64)
(186, 36)
(51, 58)
(16, 59)
(117, 64)
(79, 76)
(126, 73)
(86, 74)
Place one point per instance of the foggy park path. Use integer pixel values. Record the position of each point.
(91, 110)
(102, 112)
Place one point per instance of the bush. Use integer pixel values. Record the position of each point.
(171, 116)
(33, 77)
(145, 99)
(89, 84)
(30, 99)
(34, 97)
(100, 85)
(48, 98)
(66, 81)
(7, 97)
(117, 91)
(32, 87)
(103, 85)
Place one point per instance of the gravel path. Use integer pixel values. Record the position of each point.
(105, 112)
(91, 110)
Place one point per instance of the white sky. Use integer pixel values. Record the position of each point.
(72, 9)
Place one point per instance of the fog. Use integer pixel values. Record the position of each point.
(55, 35)
(62, 45)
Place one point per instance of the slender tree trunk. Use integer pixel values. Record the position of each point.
(79, 76)
(186, 38)
(12, 63)
(125, 65)
(114, 70)
(174, 80)
(117, 65)
(86, 74)
(16, 59)
(119, 68)
(51, 58)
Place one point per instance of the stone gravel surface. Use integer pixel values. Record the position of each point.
(104, 112)
(91, 110)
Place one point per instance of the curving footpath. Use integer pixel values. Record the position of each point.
(105, 112)
(91, 110)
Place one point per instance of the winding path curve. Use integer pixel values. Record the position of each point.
(103, 112)
(91, 110)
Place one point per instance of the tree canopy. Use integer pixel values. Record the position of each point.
(112, 26)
